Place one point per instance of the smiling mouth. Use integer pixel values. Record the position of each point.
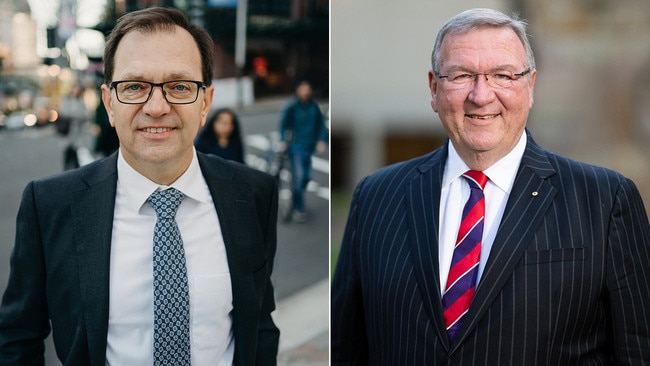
(157, 129)
(476, 116)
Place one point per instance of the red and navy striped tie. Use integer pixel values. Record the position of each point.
(461, 281)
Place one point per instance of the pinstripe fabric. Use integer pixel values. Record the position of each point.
(567, 281)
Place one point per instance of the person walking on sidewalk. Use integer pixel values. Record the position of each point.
(303, 132)
(73, 115)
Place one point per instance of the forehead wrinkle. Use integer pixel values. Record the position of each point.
(171, 77)
(504, 67)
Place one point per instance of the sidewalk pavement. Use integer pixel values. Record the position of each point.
(264, 105)
(303, 319)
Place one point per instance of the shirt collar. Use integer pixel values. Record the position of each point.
(138, 187)
(502, 173)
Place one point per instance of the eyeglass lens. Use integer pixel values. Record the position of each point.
(175, 92)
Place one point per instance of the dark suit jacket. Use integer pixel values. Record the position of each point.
(567, 281)
(60, 263)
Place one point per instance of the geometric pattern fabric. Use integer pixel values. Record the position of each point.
(170, 284)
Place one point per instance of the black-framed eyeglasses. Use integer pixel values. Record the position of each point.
(174, 91)
(497, 79)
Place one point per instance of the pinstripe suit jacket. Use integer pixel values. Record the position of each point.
(567, 281)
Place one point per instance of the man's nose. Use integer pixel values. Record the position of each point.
(481, 92)
(157, 103)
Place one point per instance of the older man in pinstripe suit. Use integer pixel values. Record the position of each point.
(560, 272)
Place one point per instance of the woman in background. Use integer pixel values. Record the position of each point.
(221, 136)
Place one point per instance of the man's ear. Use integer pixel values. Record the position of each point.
(531, 85)
(433, 86)
(107, 99)
(207, 103)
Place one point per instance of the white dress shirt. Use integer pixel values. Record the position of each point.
(130, 323)
(454, 195)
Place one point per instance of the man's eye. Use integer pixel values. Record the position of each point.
(132, 87)
(503, 76)
(463, 77)
(180, 87)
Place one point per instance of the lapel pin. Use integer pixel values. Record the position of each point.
(535, 194)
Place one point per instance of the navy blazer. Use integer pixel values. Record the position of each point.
(60, 263)
(567, 281)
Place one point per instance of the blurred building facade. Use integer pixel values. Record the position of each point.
(45, 49)
(18, 58)
(592, 94)
(286, 40)
(17, 37)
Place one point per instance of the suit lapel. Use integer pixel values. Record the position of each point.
(423, 207)
(528, 202)
(230, 199)
(234, 203)
(92, 215)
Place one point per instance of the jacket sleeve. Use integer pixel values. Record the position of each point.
(348, 328)
(628, 276)
(323, 132)
(268, 334)
(286, 124)
(24, 322)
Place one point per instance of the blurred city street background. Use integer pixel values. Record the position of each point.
(262, 46)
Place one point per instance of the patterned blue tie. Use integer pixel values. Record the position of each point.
(171, 334)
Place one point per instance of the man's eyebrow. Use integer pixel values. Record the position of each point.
(455, 68)
(504, 67)
(132, 77)
(180, 76)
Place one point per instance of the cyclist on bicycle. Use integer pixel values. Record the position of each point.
(302, 131)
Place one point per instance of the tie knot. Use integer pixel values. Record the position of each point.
(476, 179)
(166, 202)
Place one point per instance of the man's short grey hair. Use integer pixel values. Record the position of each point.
(474, 19)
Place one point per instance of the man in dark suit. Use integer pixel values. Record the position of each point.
(491, 250)
(82, 262)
